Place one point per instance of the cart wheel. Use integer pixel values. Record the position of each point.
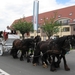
(1, 50)
(19, 53)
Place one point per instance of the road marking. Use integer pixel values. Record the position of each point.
(3, 72)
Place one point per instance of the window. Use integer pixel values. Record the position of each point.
(47, 18)
(38, 26)
(74, 28)
(70, 14)
(65, 22)
(69, 21)
(66, 29)
(73, 20)
(43, 31)
(59, 16)
(41, 19)
(38, 31)
(60, 22)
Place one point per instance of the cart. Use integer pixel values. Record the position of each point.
(5, 46)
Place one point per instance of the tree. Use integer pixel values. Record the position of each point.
(23, 26)
(51, 26)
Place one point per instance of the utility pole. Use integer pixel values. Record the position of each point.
(35, 16)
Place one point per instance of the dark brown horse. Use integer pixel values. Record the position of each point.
(16, 46)
(24, 46)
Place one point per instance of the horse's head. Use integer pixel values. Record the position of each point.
(63, 44)
(72, 40)
(66, 44)
(37, 38)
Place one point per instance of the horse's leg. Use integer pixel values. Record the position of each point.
(52, 64)
(65, 63)
(57, 63)
(32, 50)
(14, 52)
(22, 54)
(28, 56)
(49, 59)
(36, 57)
(44, 61)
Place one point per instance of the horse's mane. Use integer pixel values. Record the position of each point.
(60, 40)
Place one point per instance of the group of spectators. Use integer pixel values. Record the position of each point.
(4, 34)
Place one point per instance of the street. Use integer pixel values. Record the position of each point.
(16, 67)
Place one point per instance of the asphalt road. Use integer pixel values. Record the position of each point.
(17, 67)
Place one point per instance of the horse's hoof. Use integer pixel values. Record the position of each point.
(45, 66)
(53, 69)
(68, 69)
(28, 60)
(21, 59)
(34, 64)
(15, 57)
(56, 65)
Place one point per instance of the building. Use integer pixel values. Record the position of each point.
(65, 16)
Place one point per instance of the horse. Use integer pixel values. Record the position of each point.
(56, 48)
(40, 45)
(63, 44)
(47, 50)
(71, 44)
(1, 34)
(68, 42)
(15, 47)
(24, 46)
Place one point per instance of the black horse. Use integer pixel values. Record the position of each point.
(56, 48)
(1, 34)
(48, 51)
(24, 46)
(63, 45)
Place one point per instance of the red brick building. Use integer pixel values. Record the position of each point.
(66, 16)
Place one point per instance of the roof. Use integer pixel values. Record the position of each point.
(67, 12)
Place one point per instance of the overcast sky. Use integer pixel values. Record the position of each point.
(11, 10)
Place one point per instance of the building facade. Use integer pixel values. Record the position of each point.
(65, 16)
